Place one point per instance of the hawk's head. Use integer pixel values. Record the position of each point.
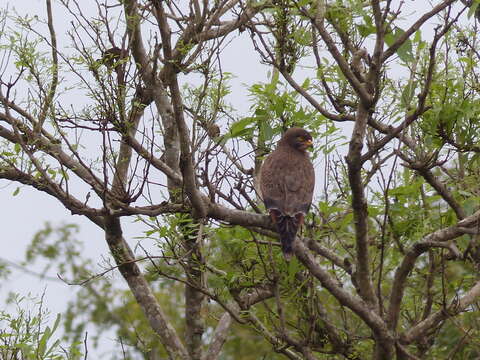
(297, 138)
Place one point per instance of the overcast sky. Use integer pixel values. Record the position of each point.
(26, 213)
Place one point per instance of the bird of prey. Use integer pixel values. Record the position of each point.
(287, 180)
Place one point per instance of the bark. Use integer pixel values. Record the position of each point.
(219, 337)
(141, 290)
(171, 68)
(456, 306)
(408, 33)
(360, 210)
(50, 145)
(357, 305)
(194, 299)
(156, 88)
(160, 86)
(438, 238)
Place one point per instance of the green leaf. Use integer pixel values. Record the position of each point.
(238, 128)
(303, 3)
(266, 131)
(404, 52)
(473, 8)
(418, 36)
(365, 30)
(306, 84)
(42, 344)
(52, 172)
(407, 94)
(57, 322)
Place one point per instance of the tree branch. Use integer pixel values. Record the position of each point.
(186, 157)
(408, 33)
(355, 304)
(53, 85)
(456, 307)
(219, 337)
(359, 88)
(141, 290)
(435, 239)
(359, 206)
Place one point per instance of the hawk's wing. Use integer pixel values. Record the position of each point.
(287, 184)
(271, 183)
(299, 184)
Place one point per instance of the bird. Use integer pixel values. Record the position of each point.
(111, 57)
(287, 182)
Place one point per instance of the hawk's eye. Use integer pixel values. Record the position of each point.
(300, 138)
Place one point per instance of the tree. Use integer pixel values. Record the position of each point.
(387, 266)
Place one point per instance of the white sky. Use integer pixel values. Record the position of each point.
(26, 213)
(30, 209)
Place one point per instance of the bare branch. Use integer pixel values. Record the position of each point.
(456, 306)
(408, 33)
(359, 88)
(219, 337)
(357, 305)
(53, 85)
(438, 238)
(142, 291)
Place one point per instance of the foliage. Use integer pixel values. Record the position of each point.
(24, 334)
(131, 119)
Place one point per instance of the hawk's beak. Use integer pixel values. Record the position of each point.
(308, 143)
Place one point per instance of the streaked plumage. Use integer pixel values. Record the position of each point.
(287, 180)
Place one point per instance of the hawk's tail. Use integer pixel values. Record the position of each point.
(287, 227)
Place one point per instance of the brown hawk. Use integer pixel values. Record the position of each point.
(287, 180)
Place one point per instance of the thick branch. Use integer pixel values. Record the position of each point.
(155, 87)
(53, 149)
(239, 217)
(435, 239)
(219, 337)
(376, 63)
(344, 297)
(359, 88)
(136, 44)
(359, 206)
(142, 291)
(328, 254)
(125, 152)
(186, 156)
(226, 28)
(456, 307)
(70, 202)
